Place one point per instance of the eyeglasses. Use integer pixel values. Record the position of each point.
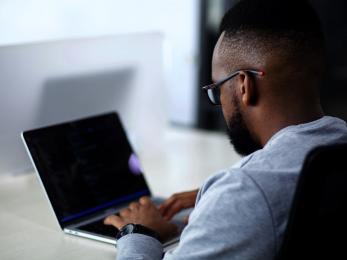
(213, 90)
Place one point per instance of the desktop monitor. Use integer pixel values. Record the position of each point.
(52, 82)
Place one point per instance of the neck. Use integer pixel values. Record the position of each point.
(275, 120)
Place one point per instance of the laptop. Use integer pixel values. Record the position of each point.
(88, 170)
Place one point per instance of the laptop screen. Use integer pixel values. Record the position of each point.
(86, 166)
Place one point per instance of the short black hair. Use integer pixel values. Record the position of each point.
(291, 22)
(276, 16)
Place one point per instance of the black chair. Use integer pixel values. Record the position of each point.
(317, 224)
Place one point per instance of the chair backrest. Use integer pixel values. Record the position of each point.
(317, 222)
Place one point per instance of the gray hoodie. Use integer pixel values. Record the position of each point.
(241, 213)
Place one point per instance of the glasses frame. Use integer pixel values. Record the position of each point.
(221, 82)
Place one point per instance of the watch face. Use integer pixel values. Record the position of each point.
(128, 229)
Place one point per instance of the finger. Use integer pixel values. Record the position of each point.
(175, 208)
(185, 220)
(115, 221)
(134, 206)
(124, 212)
(145, 201)
(166, 204)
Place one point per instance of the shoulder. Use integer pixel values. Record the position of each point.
(231, 212)
(234, 189)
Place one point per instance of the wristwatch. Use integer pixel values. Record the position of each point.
(137, 229)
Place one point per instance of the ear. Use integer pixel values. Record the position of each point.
(247, 89)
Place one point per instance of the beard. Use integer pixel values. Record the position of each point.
(239, 135)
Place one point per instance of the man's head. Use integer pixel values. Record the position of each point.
(282, 39)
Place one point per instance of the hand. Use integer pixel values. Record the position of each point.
(177, 202)
(145, 213)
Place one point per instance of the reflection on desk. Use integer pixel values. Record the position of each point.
(182, 161)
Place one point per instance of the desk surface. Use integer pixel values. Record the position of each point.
(28, 229)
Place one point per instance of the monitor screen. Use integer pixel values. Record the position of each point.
(46, 83)
(86, 166)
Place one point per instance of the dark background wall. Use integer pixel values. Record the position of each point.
(334, 88)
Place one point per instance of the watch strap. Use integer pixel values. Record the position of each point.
(137, 229)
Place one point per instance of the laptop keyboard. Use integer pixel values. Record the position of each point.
(99, 227)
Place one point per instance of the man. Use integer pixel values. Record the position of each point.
(267, 65)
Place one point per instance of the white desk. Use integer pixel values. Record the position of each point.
(28, 229)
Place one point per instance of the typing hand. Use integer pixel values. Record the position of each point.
(145, 213)
(176, 203)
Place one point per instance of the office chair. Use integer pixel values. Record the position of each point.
(317, 224)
